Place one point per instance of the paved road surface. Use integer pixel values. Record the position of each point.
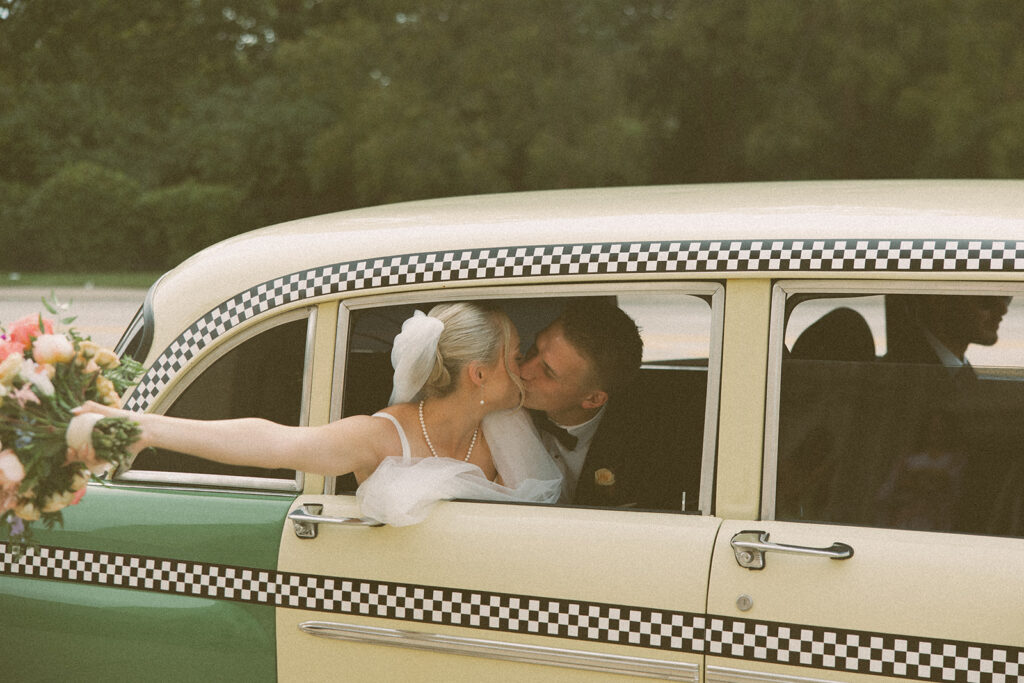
(103, 313)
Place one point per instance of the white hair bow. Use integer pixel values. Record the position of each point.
(413, 354)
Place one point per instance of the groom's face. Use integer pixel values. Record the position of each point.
(556, 378)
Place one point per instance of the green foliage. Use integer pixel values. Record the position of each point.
(284, 108)
(177, 221)
(83, 217)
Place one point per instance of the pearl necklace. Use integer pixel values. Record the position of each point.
(426, 437)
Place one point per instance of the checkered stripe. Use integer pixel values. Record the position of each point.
(897, 656)
(571, 260)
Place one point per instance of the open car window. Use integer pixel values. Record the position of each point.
(659, 421)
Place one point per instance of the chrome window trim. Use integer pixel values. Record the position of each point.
(200, 487)
(201, 481)
(711, 287)
(506, 651)
(725, 674)
(179, 479)
(781, 290)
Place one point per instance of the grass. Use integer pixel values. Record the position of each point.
(131, 280)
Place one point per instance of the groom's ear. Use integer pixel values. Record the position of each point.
(595, 399)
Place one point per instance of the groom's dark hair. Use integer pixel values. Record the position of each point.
(603, 334)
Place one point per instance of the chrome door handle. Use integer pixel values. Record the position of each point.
(306, 518)
(750, 547)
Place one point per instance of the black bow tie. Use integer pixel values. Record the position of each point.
(545, 424)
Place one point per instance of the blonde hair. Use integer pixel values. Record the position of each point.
(473, 332)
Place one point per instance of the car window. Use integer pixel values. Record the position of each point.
(660, 420)
(903, 411)
(260, 377)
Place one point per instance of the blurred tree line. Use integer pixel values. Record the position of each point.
(132, 134)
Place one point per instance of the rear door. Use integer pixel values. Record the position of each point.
(483, 591)
(150, 577)
(892, 535)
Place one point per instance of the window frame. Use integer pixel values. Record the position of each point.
(714, 289)
(781, 290)
(177, 480)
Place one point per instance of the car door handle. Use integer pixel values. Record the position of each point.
(750, 547)
(306, 518)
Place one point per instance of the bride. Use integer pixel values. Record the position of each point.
(454, 427)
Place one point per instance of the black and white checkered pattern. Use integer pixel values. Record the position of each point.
(908, 657)
(578, 259)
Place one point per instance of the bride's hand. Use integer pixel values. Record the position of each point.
(85, 451)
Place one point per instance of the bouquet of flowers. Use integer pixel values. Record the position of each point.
(48, 454)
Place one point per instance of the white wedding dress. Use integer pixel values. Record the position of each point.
(402, 490)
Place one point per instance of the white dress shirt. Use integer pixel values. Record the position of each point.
(571, 461)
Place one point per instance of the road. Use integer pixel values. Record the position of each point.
(103, 314)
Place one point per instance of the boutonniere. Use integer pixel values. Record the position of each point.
(604, 478)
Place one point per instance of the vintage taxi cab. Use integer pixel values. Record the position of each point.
(850, 492)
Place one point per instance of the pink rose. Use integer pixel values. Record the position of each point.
(79, 494)
(26, 329)
(9, 347)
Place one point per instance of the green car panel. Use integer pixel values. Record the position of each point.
(52, 628)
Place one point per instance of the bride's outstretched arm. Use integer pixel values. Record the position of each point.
(355, 444)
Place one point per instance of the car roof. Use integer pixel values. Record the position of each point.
(813, 210)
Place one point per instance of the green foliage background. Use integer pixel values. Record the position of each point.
(161, 127)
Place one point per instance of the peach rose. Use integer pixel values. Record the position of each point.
(10, 348)
(52, 348)
(26, 329)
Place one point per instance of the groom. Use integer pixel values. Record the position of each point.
(577, 378)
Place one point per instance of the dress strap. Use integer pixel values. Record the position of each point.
(406, 452)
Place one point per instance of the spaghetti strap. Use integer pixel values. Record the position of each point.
(406, 452)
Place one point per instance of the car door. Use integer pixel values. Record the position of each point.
(891, 540)
(486, 591)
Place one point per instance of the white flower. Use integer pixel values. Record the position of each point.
(27, 511)
(11, 469)
(52, 348)
(36, 375)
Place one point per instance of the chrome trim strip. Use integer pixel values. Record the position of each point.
(207, 481)
(506, 651)
(724, 674)
(714, 387)
(776, 339)
(307, 368)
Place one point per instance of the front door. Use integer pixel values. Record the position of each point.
(496, 592)
(487, 591)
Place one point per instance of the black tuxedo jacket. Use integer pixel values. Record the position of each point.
(650, 438)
